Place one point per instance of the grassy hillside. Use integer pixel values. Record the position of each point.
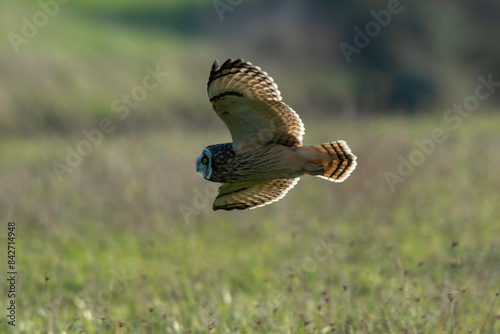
(115, 231)
(66, 77)
(110, 247)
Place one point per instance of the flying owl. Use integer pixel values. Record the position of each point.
(266, 157)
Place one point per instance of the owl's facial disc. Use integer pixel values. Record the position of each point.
(204, 164)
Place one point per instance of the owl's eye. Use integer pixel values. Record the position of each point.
(204, 161)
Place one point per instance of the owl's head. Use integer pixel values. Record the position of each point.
(204, 164)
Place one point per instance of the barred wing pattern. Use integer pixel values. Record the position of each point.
(249, 103)
(249, 195)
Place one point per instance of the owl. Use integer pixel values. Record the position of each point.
(266, 157)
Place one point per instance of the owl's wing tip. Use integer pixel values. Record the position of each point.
(229, 63)
(215, 65)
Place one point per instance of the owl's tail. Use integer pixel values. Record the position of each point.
(331, 161)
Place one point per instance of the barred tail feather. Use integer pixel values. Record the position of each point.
(335, 158)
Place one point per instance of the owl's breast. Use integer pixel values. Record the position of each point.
(266, 163)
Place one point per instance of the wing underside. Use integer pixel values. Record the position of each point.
(249, 195)
(249, 103)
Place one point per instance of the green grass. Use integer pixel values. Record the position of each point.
(106, 248)
(354, 257)
(66, 77)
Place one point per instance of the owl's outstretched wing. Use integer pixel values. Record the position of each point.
(249, 195)
(249, 102)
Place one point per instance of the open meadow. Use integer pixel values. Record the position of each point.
(114, 231)
(127, 240)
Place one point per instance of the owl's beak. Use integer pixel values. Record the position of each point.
(198, 171)
(199, 167)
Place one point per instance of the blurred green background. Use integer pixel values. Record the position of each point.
(115, 231)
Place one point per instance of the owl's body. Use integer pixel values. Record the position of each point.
(266, 157)
(266, 162)
(232, 167)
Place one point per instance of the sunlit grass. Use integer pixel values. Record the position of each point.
(107, 246)
(67, 76)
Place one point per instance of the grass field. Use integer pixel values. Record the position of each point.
(107, 249)
(123, 239)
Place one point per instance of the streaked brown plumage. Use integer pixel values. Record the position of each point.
(266, 157)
